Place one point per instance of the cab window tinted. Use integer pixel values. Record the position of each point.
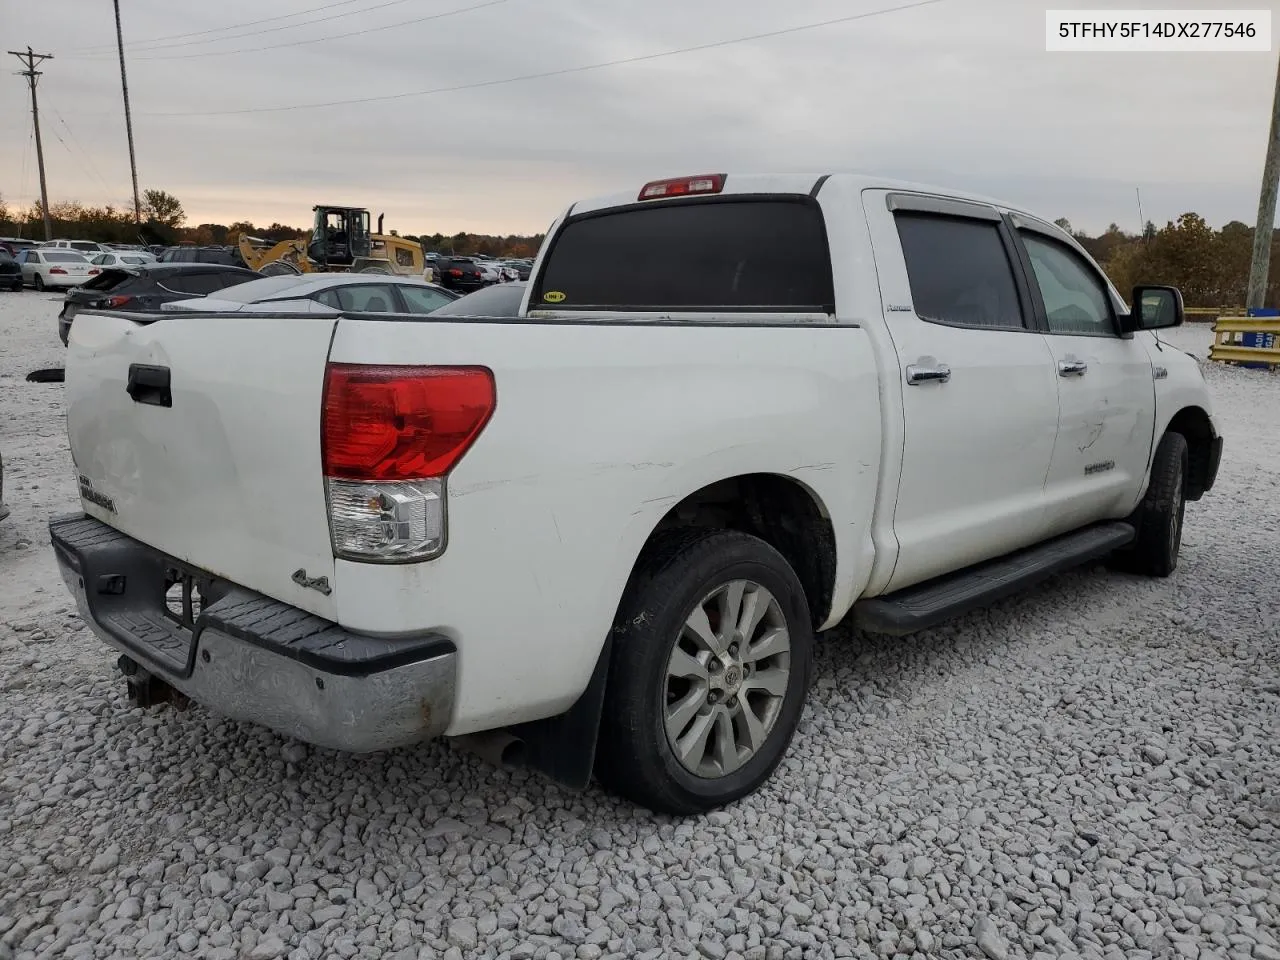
(1075, 300)
(723, 254)
(959, 271)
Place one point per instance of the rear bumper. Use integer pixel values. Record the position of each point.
(252, 658)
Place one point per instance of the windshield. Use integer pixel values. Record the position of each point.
(253, 291)
(499, 301)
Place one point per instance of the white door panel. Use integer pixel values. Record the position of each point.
(1106, 391)
(977, 444)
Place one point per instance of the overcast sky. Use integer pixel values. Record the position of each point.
(959, 93)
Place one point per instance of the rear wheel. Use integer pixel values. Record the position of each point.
(1160, 515)
(710, 669)
(39, 282)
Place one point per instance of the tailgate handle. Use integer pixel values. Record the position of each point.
(149, 384)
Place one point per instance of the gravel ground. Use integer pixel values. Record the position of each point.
(1092, 770)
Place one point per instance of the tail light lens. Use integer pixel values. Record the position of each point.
(455, 272)
(682, 186)
(390, 436)
(95, 270)
(114, 302)
(58, 270)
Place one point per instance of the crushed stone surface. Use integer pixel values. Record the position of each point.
(1090, 770)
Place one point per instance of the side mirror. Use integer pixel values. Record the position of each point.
(1155, 308)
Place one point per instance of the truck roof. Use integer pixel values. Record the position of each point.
(796, 183)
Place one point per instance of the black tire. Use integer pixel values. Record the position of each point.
(1160, 515)
(38, 283)
(676, 574)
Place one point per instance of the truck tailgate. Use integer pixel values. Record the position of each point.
(200, 436)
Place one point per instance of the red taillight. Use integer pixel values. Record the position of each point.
(455, 272)
(116, 301)
(58, 270)
(682, 186)
(390, 423)
(93, 271)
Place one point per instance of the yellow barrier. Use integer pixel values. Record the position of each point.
(1247, 340)
(1195, 313)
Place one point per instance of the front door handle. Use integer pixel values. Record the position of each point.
(1072, 368)
(936, 373)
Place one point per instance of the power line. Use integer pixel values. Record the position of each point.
(564, 71)
(339, 36)
(87, 157)
(234, 26)
(258, 33)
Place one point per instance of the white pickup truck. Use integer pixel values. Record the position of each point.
(600, 537)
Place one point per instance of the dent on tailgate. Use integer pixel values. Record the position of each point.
(227, 477)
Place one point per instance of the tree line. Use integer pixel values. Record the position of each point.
(1211, 267)
(165, 222)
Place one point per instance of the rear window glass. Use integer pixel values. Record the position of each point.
(728, 254)
(62, 256)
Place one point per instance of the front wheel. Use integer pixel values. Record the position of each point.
(709, 673)
(1159, 517)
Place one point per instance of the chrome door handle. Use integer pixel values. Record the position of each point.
(920, 374)
(1072, 368)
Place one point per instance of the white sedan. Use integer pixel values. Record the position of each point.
(322, 293)
(122, 258)
(43, 268)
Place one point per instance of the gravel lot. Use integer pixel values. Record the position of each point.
(1092, 770)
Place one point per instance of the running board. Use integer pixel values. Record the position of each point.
(929, 604)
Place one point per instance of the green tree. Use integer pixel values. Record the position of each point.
(164, 208)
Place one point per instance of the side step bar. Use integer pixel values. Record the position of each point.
(929, 604)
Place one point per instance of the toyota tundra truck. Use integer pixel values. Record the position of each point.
(600, 537)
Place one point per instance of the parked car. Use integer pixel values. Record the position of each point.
(518, 269)
(145, 287)
(736, 411)
(122, 258)
(500, 300)
(10, 272)
(227, 256)
(323, 293)
(46, 268)
(14, 245)
(461, 273)
(89, 248)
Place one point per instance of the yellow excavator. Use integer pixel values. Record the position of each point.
(340, 242)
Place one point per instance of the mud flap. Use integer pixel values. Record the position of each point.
(563, 747)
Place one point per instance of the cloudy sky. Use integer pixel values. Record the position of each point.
(958, 92)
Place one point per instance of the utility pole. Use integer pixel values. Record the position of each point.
(1266, 209)
(128, 119)
(30, 61)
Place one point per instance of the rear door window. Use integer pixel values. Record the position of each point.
(195, 284)
(367, 298)
(760, 254)
(960, 271)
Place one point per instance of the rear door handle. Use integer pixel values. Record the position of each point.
(149, 384)
(918, 374)
(1072, 368)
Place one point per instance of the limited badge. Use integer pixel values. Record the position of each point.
(553, 296)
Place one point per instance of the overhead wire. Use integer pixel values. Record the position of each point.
(234, 26)
(258, 33)
(88, 157)
(559, 72)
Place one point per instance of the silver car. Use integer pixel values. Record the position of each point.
(322, 293)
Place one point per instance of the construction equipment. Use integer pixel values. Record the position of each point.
(340, 242)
